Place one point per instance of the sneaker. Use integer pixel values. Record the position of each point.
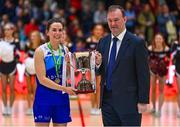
(93, 111)
(178, 114)
(152, 111)
(157, 114)
(97, 111)
(29, 111)
(9, 111)
(5, 111)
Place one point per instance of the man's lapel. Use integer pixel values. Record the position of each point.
(107, 47)
(122, 49)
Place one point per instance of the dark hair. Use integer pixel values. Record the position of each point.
(80, 39)
(97, 24)
(114, 7)
(53, 20)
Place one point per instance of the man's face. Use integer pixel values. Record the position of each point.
(116, 21)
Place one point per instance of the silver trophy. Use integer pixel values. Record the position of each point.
(82, 72)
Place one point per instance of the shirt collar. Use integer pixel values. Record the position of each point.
(120, 36)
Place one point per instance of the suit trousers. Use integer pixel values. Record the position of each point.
(111, 117)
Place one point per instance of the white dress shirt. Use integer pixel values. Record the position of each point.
(120, 38)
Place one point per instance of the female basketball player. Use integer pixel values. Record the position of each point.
(51, 98)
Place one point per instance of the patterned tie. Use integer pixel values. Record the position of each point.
(111, 63)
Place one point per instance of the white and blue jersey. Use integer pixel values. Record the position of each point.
(52, 101)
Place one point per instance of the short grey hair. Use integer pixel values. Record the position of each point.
(114, 7)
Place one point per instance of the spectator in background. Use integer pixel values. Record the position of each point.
(36, 13)
(72, 13)
(31, 26)
(176, 13)
(5, 19)
(91, 44)
(1, 31)
(158, 63)
(74, 30)
(60, 13)
(131, 16)
(2, 7)
(67, 41)
(26, 11)
(146, 22)
(137, 7)
(100, 14)
(9, 9)
(171, 4)
(97, 33)
(86, 19)
(34, 41)
(153, 5)
(22, 15)
(166, 24)
(22, 36)
(45, 15)
(38, 3)
(77, 4)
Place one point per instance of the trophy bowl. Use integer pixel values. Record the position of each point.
(83, 74)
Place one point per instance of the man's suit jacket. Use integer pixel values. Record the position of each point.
(130, 76)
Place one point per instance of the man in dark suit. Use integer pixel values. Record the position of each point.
(122, 63)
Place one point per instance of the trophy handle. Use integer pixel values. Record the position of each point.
(72, 69)
(92, 66)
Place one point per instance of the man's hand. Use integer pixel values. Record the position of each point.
(98, 58)
(142, 107)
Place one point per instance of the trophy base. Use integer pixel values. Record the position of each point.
(84, 92)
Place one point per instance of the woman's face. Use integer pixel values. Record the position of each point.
(35, 37)
(8, 31)
(128, 5)
(56, 32)
(159, 40)
(98, 31)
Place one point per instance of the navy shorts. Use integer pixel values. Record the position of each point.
(58, 114)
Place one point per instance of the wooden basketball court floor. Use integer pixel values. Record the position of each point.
(80, 112)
